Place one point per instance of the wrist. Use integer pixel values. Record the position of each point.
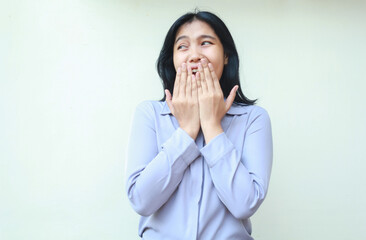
(210, 132)
(191, 132)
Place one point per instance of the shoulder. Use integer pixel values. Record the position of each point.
(147, 112)
(257, 110)
(150, 109)
(254, 115)
(150, 106)
(251, 110)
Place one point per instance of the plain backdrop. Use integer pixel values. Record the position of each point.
(73, 71)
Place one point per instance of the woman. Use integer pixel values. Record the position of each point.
(199, 161)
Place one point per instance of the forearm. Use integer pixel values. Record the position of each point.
(150, 186)
(211, 130)
(241, 178)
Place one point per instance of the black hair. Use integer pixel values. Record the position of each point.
(230, 74)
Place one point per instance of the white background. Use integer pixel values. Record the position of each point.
(72, 72)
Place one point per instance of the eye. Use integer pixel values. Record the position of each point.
(182, 47)
(206, 43)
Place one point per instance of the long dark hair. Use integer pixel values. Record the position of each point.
(230, 75)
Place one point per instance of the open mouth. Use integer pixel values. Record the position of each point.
(194, 71)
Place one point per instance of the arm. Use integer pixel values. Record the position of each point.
(153, 174)
(241, 179)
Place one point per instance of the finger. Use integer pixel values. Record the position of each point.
(177, 82)
(189, 82)
(198, 83)
(194, 87)
(208, 77)
(183, 81)
(202, 82)
(215, 80)
(230, 99)
(168, 100)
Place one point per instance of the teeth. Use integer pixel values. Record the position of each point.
(194, 70)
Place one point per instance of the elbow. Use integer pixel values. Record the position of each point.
(249, 205)
(247, 211)
(144, 210)
(139, 204)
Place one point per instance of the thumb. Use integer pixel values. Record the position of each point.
(231, 97)
(168, 99)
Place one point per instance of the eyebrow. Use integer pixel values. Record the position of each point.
(201, 36)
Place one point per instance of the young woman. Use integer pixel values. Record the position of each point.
(199, 161)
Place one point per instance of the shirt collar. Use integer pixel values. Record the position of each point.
(235, 109)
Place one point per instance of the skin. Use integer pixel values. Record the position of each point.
(197, 101)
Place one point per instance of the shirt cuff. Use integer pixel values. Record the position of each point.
(216, 149)
(181, 146)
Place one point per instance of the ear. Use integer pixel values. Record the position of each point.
(226, 60)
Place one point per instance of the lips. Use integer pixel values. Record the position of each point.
(194, 69)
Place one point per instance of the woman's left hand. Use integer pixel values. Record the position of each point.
(212, 106)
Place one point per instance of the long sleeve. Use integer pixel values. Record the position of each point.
(153, 172)
(241, 178)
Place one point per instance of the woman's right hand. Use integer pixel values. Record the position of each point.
(184, 102)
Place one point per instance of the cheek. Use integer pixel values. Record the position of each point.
(176, 62)
(219, 68)
(219, 73)
(218, 60)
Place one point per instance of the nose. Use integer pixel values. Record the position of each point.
(195, 55)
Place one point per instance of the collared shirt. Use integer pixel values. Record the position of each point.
(185, 189)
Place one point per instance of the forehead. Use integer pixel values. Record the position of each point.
(195, 29)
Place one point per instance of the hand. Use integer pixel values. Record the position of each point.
(184, 103)
(212, 106)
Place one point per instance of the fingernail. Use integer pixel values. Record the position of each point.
(210, 66)
(203, 60)
(189, 68)
(184, 66)
(179, 70)
(199, 67)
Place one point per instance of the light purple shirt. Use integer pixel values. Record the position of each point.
(185, 189)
